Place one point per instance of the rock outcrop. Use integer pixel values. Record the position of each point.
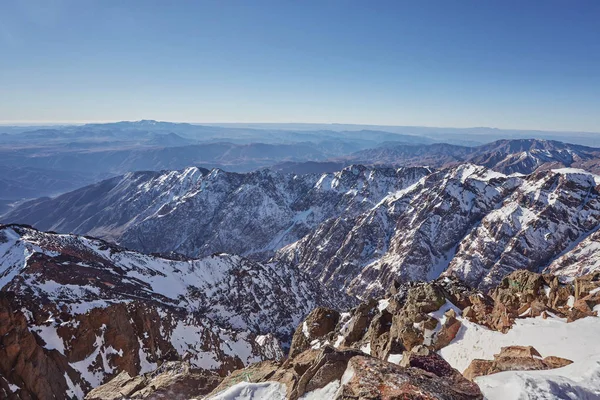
(514, 358)
(173, 380)
(356, 375)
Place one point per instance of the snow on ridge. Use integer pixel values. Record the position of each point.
(574, 172)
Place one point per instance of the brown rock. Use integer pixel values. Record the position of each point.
(517, 351)
(556, 362)
(359, 323)
(448, 332)
(120, 387)
(377, 379)
(428, 377)
(319, 323)
(23, 361)
(379, 335)
(479, 367)
(514, 358)
(585, 284)
(177, 380)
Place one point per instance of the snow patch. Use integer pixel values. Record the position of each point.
(252, 391)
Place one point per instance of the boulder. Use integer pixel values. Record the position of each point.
(514, 358)
(123, 386)
(318, 324)
(372, 378)
(518, 351)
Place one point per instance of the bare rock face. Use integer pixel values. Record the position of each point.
(529, 294)
(28, 370)
(173, 380)
(514, 358)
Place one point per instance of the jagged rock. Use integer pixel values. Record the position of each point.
(456, 291)
(319, 323)
(556, 362)
(424, 298)
(175, 380)
(585, 284)
(484, 311)
(361, 376)
(448, 331)
(514, 358)
(379, 336)
(359, 322)
(377, 379)
(405, 333)
(328, 366)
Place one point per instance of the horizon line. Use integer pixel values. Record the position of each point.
(217, 123)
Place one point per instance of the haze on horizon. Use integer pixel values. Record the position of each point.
(505, 64)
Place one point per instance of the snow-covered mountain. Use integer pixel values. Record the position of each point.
(198, 212)
(85, 310)
(467, 221)
(358, 229)
(507, 156)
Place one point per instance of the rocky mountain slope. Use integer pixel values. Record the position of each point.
(466, 221)
(75, 311)
(357, 229)
(198, 212)
(522, 156)
(416, 341)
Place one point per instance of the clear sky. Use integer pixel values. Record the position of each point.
(508, 64)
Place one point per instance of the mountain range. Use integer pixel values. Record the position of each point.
(176, 278)
(354, 230)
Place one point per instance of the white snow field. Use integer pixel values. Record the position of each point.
(576, 341)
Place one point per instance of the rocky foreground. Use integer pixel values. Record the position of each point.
(401, 346)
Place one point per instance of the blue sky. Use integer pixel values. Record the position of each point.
(508, 64)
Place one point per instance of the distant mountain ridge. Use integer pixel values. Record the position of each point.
(507, 156)
(198, 212)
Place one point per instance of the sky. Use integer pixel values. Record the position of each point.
(506, 64)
